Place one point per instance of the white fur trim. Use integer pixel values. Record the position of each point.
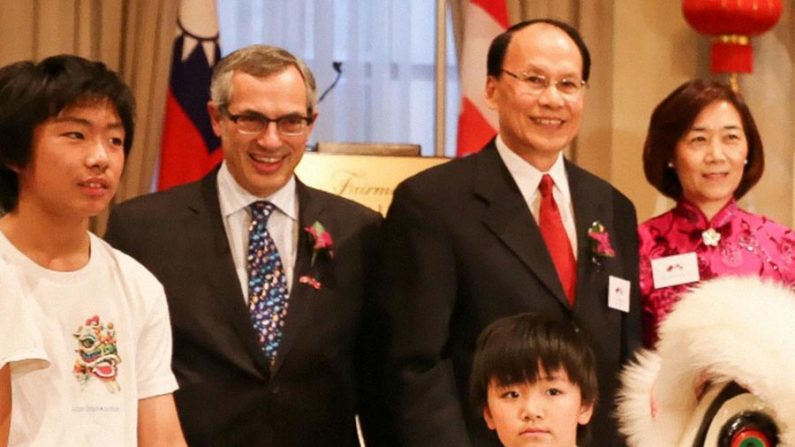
(732, 328)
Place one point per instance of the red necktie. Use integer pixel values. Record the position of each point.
(556, 239)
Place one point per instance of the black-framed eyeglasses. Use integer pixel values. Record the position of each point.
(253, 123)
(537, 84)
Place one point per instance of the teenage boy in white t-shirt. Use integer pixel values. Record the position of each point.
(66, 125)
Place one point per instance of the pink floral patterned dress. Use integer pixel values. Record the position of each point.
(747, 244)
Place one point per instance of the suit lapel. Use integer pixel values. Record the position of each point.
(508, 217)
(588, 207)
(301, 295)
(208, 236)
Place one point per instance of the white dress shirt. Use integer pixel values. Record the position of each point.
(527, 177)
(282, 224)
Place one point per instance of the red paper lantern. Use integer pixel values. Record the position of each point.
(731, 23)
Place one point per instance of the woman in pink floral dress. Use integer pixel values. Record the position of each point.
(704, 151)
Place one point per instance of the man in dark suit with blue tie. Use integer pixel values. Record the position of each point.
(511, 229)
(267, 279)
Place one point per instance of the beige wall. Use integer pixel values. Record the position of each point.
(654, 52)
(648, 51)
(769, 92)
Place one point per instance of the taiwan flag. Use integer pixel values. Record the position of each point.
(189, 148)
(477, 124)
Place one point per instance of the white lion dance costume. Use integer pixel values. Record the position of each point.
(723, 374)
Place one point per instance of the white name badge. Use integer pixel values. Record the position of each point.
(674, 270)
(618, 295)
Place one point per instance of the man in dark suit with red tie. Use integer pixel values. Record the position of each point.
(513, 228)
(267, 279)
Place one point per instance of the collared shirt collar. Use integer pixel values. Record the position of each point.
(528, 177)
(233, 197)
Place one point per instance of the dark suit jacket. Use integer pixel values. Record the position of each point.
(461, 249)
(228, 395)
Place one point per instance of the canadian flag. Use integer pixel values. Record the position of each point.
(483, 21)
(189, 147)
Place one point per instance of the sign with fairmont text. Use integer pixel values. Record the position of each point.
(366, 179)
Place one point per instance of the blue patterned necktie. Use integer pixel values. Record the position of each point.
(267, 283)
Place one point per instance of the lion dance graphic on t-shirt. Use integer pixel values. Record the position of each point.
(98, 354)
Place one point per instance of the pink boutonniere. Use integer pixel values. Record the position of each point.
(600, 243)
(311, 281)
(322, 244)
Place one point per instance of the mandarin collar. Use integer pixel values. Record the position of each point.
(693, 215)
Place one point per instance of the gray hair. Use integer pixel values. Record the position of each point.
(259, 61)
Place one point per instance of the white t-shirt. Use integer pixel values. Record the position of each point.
(107, 334)
(20, 343)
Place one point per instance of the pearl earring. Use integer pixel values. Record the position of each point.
(671, 164)
(745, 162)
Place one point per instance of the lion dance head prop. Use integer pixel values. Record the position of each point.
(723, 374)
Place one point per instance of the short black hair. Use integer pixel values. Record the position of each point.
(511, 350)
(34, 92)
(499, 46)
(673, 118)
